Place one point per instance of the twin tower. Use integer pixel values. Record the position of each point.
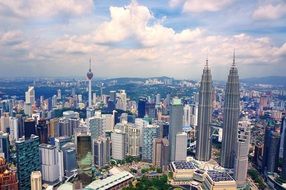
(230, 119)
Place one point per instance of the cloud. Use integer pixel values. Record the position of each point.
(134, 42)
(269, 12)
(45, 9)
(197, 6)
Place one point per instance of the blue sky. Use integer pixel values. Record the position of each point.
(142, 38)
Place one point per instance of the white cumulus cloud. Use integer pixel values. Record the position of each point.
(269, 11)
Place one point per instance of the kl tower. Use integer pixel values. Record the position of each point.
(89, 74)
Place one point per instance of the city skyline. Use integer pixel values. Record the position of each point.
(151, 39)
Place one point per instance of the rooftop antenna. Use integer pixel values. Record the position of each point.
(233, 62)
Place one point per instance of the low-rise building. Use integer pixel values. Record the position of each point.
(116, 181)
(182, 170)
(216, 180)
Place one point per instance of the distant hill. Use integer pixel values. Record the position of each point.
(272, 80)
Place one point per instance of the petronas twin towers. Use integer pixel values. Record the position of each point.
(230, 121)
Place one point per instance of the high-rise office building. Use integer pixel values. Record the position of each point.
(241, 154)
(118, 139)
(283, 173)
(5, 145)
(121, 103)
(96, 126)
(160, 156)
(141, 107)
(176, 125)
(69, 158)
(283, 137)
(8, 178)
(271, 151)
(30, 96)
(150, 132)
(112, 96)
(133, 138)
(231, 116)
(84, 152)
(158, 100)
(4, 122)
(61, 141)
(203, 131)
(29, 127)
(181, 146)
(54, 130)
(187, 116)
(50, 164)
(101, 152)
(59, 94)
(14, 129)
(28, 160)
(42, 130)
(36, 180)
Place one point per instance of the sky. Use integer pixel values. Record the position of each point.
(142, 38)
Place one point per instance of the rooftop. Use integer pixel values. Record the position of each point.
(109, 182)
(219, 176)
(183, 165)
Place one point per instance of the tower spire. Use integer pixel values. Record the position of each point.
(233, 62)
(90, 64)
(207, 61)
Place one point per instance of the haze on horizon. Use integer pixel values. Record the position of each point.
(142, 38)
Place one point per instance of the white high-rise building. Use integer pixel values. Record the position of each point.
(122, 100)
(30, 96)
(94, 98)
(14, 134)
(59, 95)
(194, 114)
(118, 139)
(181, 146)
(187, 115)
(50, 166)
(108, 122)
(141, 123)
(241, 154)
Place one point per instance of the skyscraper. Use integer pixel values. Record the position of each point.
(160, 156)
(283, 173)
(101, 152)
(118, 139)
(30, 96)
(28, 160)
(181, 146)
(141, 107)
(50, 164)
(176, 124)
(150, 132)
(5, 145)
(203, 143)
(231, 116)
(241, 154)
